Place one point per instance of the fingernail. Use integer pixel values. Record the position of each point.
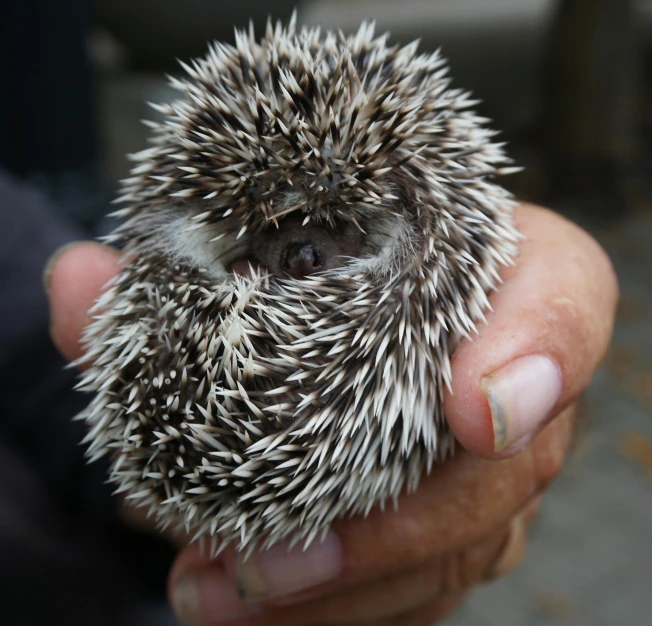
(520, 396)
(208, 596)
(278, 572)
(51, 262)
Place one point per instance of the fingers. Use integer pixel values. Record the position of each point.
(412, 593)
(458, 504)
(402, 592)
(204, 596)
(75, 279)
(550, 326)
(458, 529)
(201, 592)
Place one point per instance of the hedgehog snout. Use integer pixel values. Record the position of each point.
(298, 248)
(302, 259)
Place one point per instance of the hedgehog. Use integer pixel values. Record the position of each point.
(313, 230)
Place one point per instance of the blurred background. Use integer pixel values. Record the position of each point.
(569, 82)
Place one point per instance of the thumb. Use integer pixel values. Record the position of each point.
(74, 278)
(550, 326)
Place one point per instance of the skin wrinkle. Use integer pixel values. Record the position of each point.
(394, 595)
(471, 502)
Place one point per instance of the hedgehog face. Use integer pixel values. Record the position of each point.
(296, 245)
(253, 407)
(297, 249)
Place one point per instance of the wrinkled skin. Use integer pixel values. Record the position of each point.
(467, 522)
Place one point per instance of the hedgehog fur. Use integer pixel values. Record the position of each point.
(252, 409)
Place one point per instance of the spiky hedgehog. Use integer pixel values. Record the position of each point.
(260, 405)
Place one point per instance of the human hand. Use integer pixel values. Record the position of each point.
(514, 387)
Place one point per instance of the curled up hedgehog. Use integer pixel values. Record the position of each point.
(314, 229)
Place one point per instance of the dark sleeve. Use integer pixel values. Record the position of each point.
(37, 398)
(66, 559)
